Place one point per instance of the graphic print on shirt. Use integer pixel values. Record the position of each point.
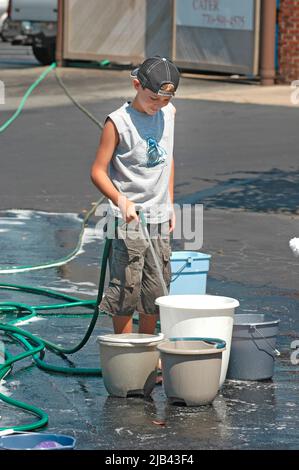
(155, 153)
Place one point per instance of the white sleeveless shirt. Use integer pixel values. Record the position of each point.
(141, 164)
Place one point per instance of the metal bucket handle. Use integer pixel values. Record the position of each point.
(276, 352)
(187, 263)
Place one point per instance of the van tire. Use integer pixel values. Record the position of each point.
(45, 55)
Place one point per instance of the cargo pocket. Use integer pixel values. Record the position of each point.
(122, 294)
(125, 270)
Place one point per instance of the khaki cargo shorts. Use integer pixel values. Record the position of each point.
(134, 279)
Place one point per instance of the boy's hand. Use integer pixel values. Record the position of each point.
(131, 213)
(128, 210)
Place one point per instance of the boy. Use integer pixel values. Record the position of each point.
(136, 149)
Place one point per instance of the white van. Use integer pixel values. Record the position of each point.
(33, 22)
(3, 14)
(3, 6)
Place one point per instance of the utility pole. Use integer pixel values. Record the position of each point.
(268, 30)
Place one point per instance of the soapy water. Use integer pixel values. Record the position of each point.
(294, 245)
(44, 445)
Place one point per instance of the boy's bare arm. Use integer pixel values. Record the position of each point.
(171, 194)
(171, 182)
(99, 172)
(171, 178)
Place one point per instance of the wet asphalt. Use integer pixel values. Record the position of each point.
(241, 162)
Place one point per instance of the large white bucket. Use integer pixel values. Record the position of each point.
(208, 316)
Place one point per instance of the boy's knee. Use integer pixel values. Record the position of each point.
(120, 300)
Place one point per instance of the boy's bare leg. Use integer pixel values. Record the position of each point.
(147, 323)
(122, 324)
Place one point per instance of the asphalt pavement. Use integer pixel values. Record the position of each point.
(236, 152)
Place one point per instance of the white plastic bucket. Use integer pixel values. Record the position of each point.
(191, 369)
(129, 363)
(199, 315)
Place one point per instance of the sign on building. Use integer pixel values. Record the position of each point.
(219, 35)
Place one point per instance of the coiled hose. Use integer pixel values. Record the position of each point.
(33, 345)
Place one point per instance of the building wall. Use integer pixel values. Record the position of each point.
(288, 51)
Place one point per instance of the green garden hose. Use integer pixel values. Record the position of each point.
(33, 345)
(25, 97)
(61, 261)
(27, 340)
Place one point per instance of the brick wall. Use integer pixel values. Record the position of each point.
(288, 49)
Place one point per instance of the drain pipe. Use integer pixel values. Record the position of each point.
(268, 29)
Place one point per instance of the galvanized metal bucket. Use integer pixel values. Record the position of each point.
(253, 348)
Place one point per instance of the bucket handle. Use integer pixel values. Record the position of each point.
(216, 342)
(276, 352)
(188, 262)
